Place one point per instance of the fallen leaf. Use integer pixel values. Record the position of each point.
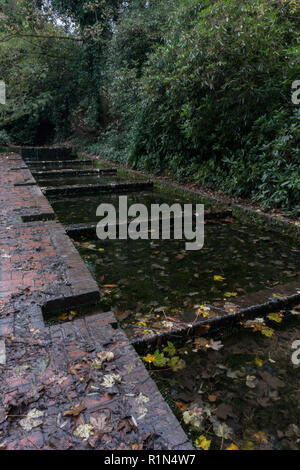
(232, 447)
(276, 317)
(219, 278)
(110, 380)
(141, 399)
(222, 430)
(176, 363)
(76, 410)
(84, 431)
(202, 443)
(105, 356)
(258, 362)
(251, 381)
(149, 358)
(100, 427)
(261, 437)
(223, 411)
(215, 345)
(32, 420)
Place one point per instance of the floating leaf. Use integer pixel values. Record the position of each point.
(251, 381)
(149, 358)
(176, 363)
(160, 359)
(203, 311)
(232, 447)
(230, 294)
(276, 317)
(222, 430)
(258, 362)
(261, 437)
(193, 418)
(215, 345)
(218, 278)
(170, 349)
(268, 332)
(202, 443)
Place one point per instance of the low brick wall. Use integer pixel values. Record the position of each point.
(46, 368)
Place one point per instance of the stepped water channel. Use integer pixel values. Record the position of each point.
(230, 388)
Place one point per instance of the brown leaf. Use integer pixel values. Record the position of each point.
(125, 426)
(272, 381)
(101, 426)
(223, 411)
(212, 398)
(76, 410)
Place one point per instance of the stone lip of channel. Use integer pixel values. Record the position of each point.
(76, 231)
(73, 172)
(96, 188)
(45, 165)
(46, 153)
(246, 307)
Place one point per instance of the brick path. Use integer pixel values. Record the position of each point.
(54, 393)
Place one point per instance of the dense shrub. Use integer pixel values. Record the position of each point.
(210, 99)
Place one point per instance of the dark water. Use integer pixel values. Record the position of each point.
(83, 209)
(246, 394)
(150, 282)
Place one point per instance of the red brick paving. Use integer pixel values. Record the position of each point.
(50, 371)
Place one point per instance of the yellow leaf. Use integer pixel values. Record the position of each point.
(202, 443)
(261, 437)
(101, 249)
(276, 317)
(268, 332)
(230, 294)
(63, 317)
(248, 445)
(149, 358)
(219, 278)
(258, 362)
(232, 447)
(203, 311)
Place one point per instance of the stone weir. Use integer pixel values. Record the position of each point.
(46, 153)
(74, 172)
(59, 382)
(37, 165)
(91, 189)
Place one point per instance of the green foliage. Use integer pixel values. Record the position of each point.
(199, 89)
(53, 68)
(4, 138)
(207, 96)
